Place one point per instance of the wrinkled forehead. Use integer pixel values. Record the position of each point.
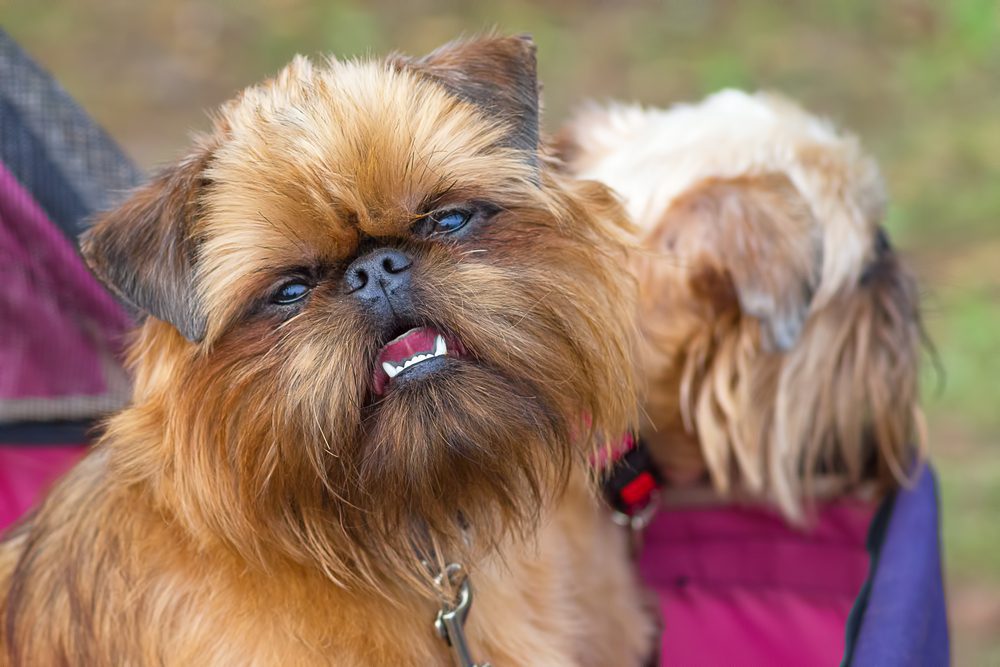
(316, 158)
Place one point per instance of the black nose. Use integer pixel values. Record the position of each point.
(380, 279)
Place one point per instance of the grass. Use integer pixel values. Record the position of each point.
(916, 79)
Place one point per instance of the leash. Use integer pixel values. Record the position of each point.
(630, 484)
(456, 600)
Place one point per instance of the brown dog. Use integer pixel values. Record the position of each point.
(384, 336)
(781, 334)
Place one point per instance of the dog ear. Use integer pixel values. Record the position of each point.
(752, 243)
(497, 74)
(848, 400)
(143, 250)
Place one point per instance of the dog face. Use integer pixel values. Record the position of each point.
(781, 335)
(379, 317)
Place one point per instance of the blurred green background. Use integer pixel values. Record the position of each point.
(919, 81)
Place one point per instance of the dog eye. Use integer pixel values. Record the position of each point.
(446, 222)
(291, 292)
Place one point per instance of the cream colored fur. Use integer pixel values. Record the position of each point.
(781, 333)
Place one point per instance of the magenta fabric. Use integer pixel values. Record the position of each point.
(27, 472)
(738, 586)
(55, 318)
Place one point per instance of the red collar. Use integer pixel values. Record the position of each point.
(630, 482)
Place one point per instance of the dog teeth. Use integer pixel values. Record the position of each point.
(440, 350)
(415, 360)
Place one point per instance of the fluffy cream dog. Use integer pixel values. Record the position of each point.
(781, 333)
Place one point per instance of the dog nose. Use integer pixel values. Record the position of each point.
(381, 280)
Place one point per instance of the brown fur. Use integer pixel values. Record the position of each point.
(256, 503)
(761, 370)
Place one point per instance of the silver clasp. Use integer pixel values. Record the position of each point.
(450, 621)
(637, 522)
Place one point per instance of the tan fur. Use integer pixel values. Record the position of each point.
(256, 504)
(781, 333)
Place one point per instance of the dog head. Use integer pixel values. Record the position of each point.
(781, 334)
(377, 315)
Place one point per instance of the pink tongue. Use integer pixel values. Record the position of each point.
(415, 342)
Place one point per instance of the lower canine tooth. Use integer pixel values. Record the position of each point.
(440, 347)
(390, 370)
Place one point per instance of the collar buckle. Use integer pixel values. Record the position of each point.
(631, 485)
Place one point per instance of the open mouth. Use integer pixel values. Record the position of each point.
(415, 352)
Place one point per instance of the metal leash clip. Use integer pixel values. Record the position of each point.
(450, 621)
(638, 521)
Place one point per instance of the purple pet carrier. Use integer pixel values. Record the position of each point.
(736, 586)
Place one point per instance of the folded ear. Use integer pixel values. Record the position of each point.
(144, 251)
(497, 74)
(757, 236)
(849, 401)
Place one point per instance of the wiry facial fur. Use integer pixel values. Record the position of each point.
(258, 443)
(781, 333)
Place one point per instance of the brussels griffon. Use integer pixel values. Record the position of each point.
(781, 335)
(382, 336)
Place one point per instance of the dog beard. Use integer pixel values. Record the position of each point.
(461, 458)
(274, 408)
